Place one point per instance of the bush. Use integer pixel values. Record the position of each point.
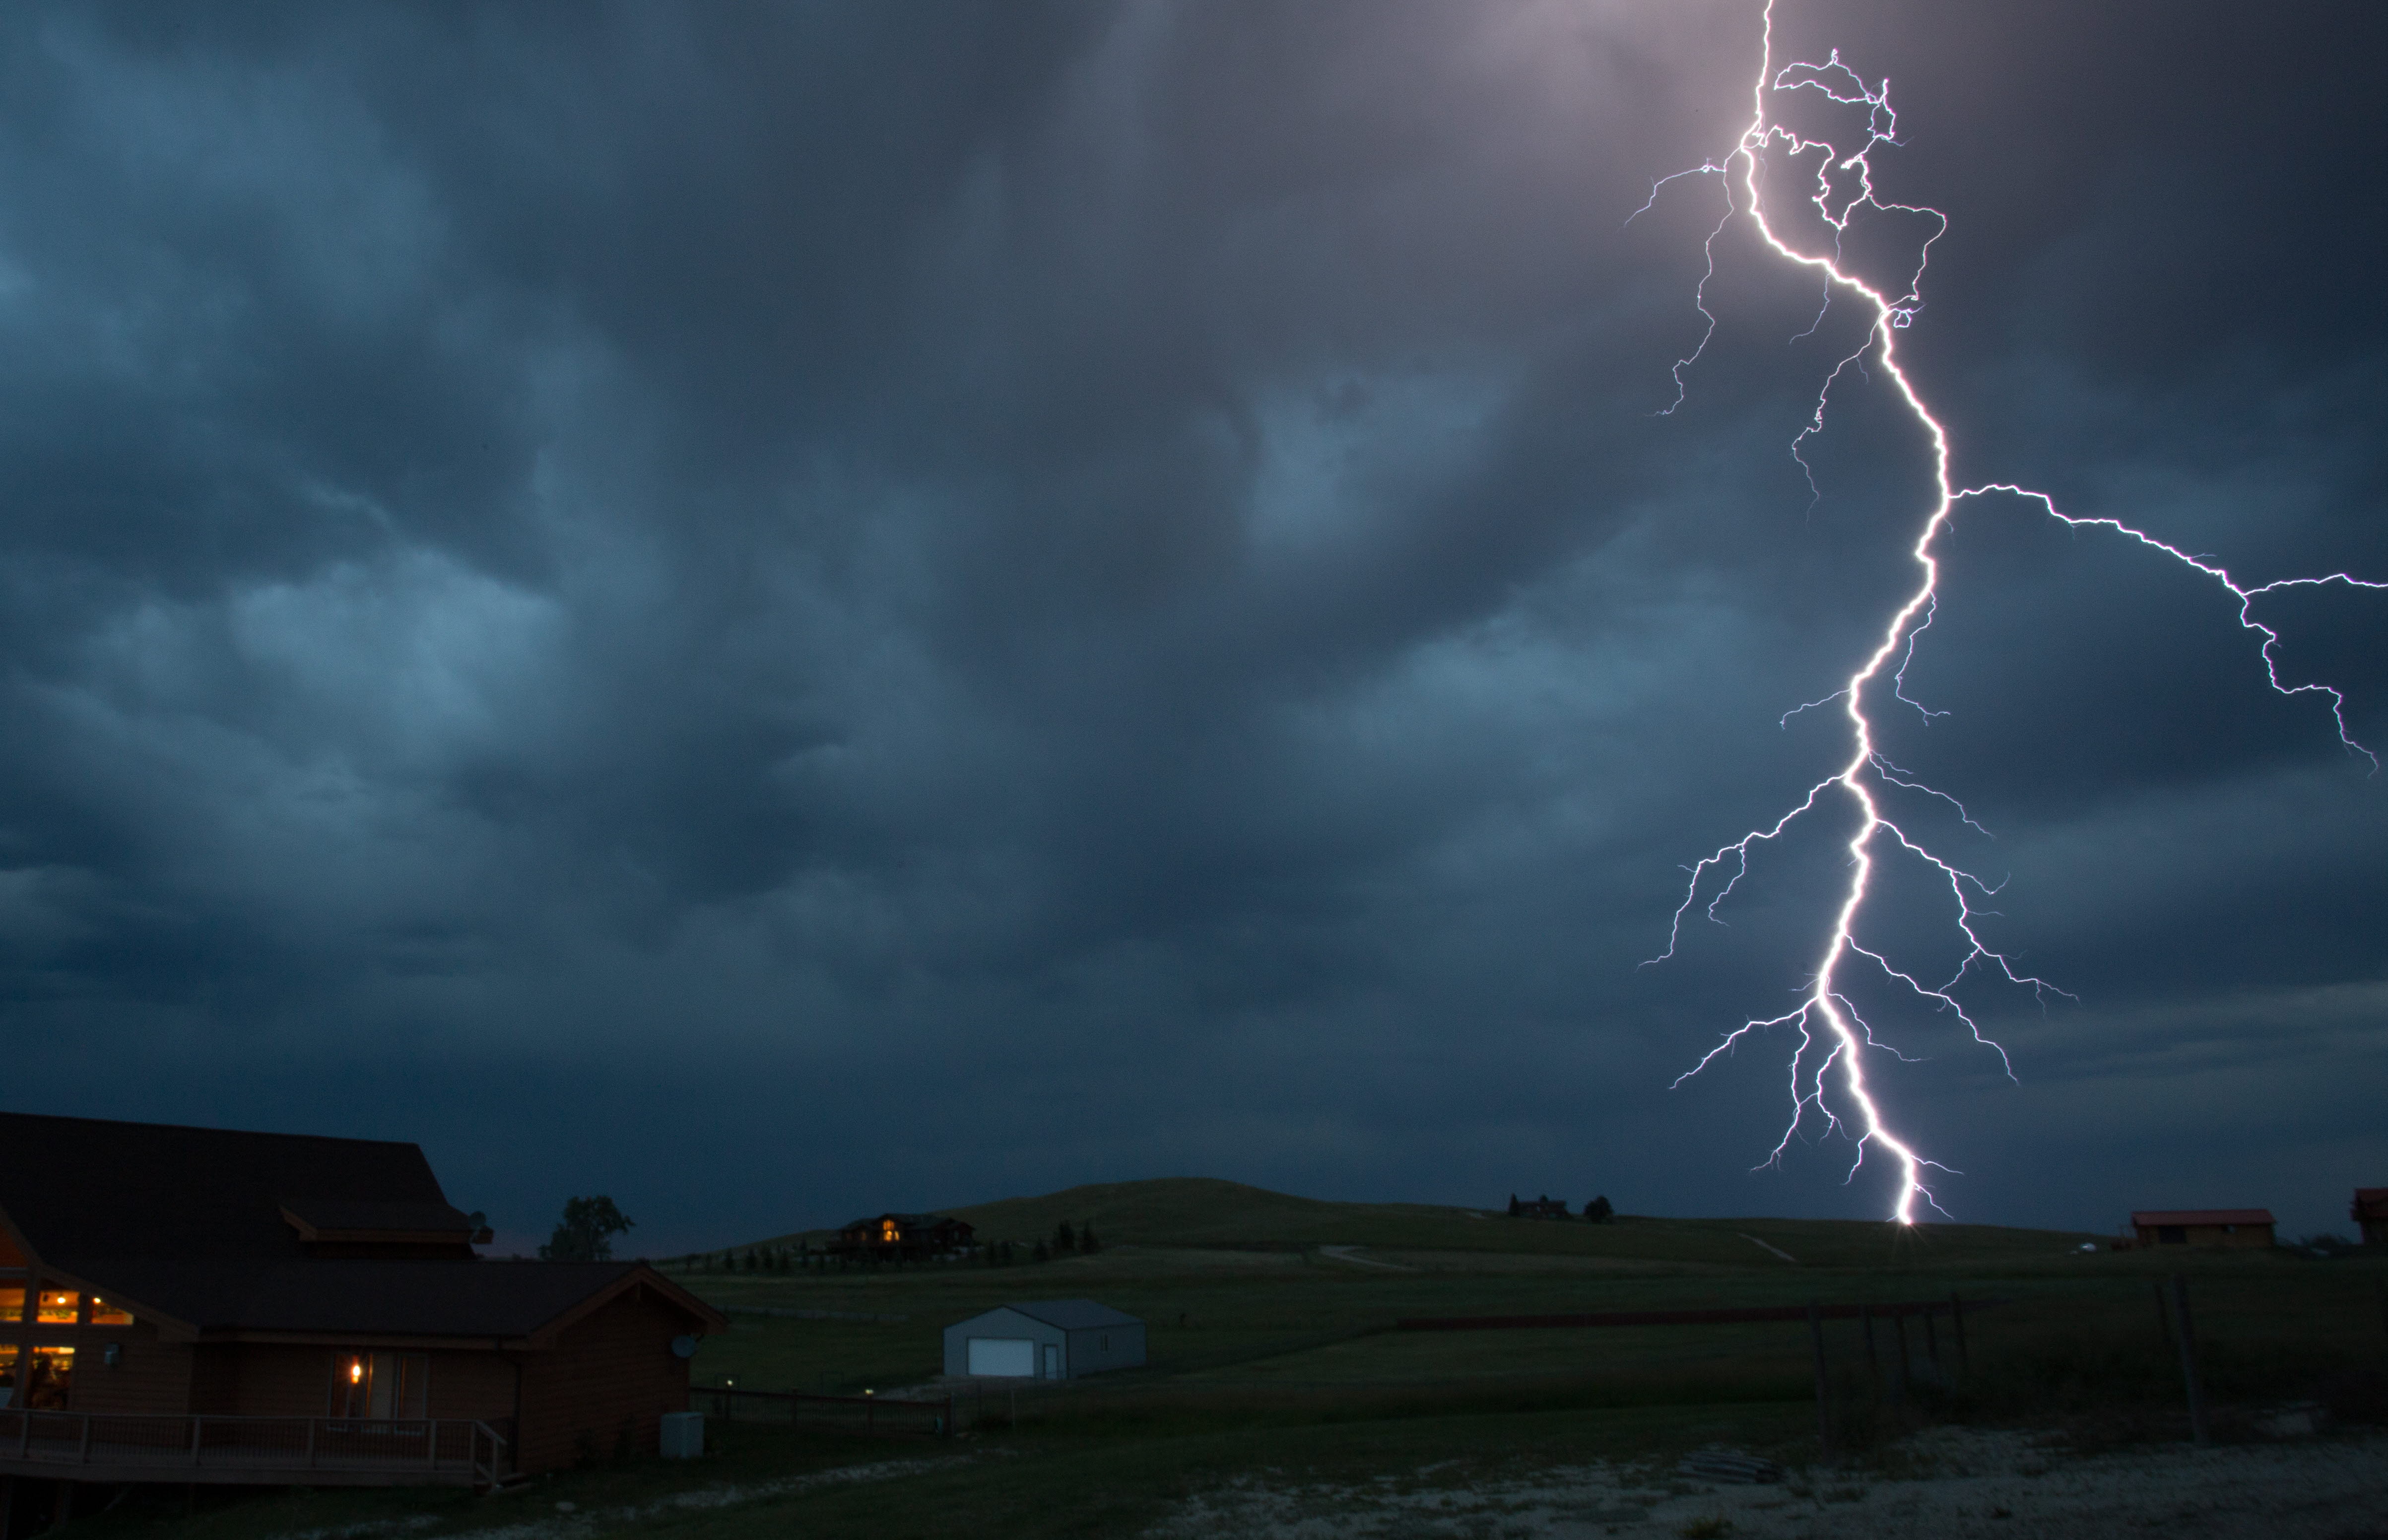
(1599, 1211)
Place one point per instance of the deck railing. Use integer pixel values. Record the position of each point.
(134, 1447)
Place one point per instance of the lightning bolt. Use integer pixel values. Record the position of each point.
(1827, 1073)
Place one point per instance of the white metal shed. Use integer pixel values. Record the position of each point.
(1053, 1339)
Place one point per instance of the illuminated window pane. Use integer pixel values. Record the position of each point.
(60, 1305)
(8, 1374)
(380, 1384)
(49, 1378)
(12, 1304)
(105, 1313)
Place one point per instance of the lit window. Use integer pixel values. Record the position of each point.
(12, 1304)
(48, 1378)
(105, 1313)
(890, 1232)
(60, 1305)
(380, 1384)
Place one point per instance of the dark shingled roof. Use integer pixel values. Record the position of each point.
(79, 1189)
(351, 1215)
(187, 1223)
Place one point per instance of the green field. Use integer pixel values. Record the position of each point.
(1273, 1350)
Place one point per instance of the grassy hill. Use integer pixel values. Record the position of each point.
(1206, 1213)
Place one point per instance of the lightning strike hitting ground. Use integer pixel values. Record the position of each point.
(1834, 1039)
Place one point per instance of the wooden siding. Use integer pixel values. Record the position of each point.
(275, 1380)
(2207, 1235)
(478, 1385)
(150, 1376)
(261, 1379)
(610, 1374)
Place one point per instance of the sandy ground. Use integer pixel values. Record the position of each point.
(1968, 1485)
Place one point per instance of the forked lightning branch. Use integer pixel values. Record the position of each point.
(1828, 1081)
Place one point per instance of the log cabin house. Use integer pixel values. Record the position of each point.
(198, 1304)
(903, 1238)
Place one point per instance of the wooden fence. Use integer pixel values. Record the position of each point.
(873, 1415)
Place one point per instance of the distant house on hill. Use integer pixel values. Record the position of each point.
(198, 1304)
(903, 1238)
(1544, 1207)
(2370, 1215)
(1052, 1339)
(2203, 1227)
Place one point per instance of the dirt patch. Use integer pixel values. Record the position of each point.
(1952, 1485)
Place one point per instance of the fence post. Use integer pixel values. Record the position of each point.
(1898, 1327)
(2164, 1318)
(1823, 1400)
(2189, 1358)
(1957, 1324)
(196, 1422)
(1866, 1324)
(83, 1455)
(311, 1442)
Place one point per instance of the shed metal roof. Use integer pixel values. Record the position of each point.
(1073, 1315)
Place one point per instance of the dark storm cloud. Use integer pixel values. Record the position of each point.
(921, 604)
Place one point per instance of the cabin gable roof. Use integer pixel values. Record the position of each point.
(79, 1189)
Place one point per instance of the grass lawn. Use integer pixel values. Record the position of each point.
(1272, 1356)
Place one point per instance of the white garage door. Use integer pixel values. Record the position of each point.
(1002, 1356)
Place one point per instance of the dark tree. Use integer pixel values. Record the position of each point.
(1042, 1254)
(1062, 1239)
(1515, 1207)
(1599, 1211)
(1086, 1241)
(586, 1232)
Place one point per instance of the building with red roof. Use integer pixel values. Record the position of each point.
(2203, 1227)
(2370, 1215)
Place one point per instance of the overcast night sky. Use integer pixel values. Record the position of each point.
(783, 611)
